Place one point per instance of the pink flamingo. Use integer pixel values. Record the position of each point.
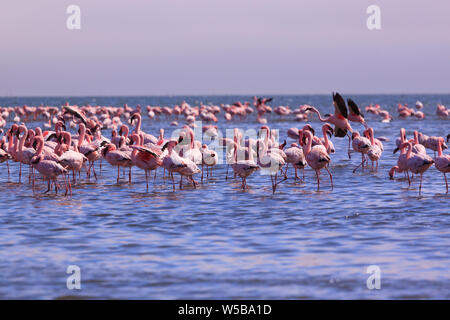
(117, 158)
(243, 168)
(442, 162)
(144, 158)
(339, 119)
(416, 163)
(48, 168)
(317, 158)
(355, 114)
(71, 159)
(172, 162)
(374, 152)
(362, 145)
(148, 138)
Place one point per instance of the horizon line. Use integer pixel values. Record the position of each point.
(214, 95)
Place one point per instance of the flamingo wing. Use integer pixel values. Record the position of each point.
(145, 150)
(353, 107)
(75, 113)
(339, 105)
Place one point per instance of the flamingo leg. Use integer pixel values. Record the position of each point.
(118, 173)
(446, 183)
(420, 185)
(349, 142)
(173, 181)
(361, 164)
(146, 178)
(331, 177)
(129, 176)
(318, 180)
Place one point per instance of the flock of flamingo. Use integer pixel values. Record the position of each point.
(54, 153)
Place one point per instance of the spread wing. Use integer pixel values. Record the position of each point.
(75, 113)
(353, 107)
(339, 105)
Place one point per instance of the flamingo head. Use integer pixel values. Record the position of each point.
(109, 147)
(328, 129)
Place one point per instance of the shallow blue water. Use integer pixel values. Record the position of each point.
(220, 242)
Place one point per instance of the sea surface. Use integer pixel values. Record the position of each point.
(219, 242)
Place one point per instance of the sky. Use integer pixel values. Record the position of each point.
(214, 47)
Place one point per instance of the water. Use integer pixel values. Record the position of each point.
(220, 242)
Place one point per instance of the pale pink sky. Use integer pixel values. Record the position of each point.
(223, 47)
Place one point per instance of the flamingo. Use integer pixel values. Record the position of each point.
(362, 145)
(442, 162)
(72, 159)
(317, 158)
(48, 168)
(339, 119)
(243, 168)
(172, 162)
(416, 163)
(374, 152)
(148, 138)
(209, 159)
(355, 113)
(295, 156)
(117, 158)
(24, 154)
(144, 158)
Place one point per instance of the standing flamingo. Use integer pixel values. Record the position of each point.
(442, 162)
(243, 168)
(145, 158)
(317, 158)
(48, 168)
(362, 145)
(416, 163)
(374, 152)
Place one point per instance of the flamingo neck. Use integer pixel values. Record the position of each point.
(325, 137)
(439, 149)
(191, 134)
(82, 135)
(22, 140)
(138, 124)
(309, 142)
(318, 114)
(68, 136)
(372, 139)
(40, 147)
(409, 151)
(416, 137)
